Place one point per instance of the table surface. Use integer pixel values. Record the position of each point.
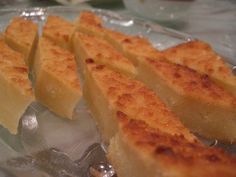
(211, 20)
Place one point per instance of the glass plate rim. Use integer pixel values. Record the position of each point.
(137, 20)
(155, 27)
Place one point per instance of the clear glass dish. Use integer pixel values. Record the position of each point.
(59, 147)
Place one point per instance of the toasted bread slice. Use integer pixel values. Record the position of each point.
(22, 36)
(15, 87)
(199, 56)
(57, 84)
(87, 46)
(200, 104)
(59, 30)
(131, 46)
(198, 109)
(107, 91)
(89, 23)
(151, 141)
(196, 54)
(140, 150)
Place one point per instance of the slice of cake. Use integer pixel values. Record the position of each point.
(57, 84)
(131, 46)
(22, 36)
(150, 141)
(195, 54)
(201, 105)
(15, 87)
(107, 91)
(87, 46)
(199, 56)
(195, 104)
(89, 23)
(140, 150)
(59, 30)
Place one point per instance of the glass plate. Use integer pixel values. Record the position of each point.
(47, 145)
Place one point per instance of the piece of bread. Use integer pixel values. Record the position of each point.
(15, 87)
(56, 81)
(150, 141)
(131, 46)
(201, 105)
(107, 91)
(59, 30)
(195, 54)
(89, 23)
(87, 46)
(195, 104)
(140, 150)
(199, 56)
(22, 36)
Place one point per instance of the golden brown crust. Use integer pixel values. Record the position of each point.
(57, 83)
(21, 34)
(13, 68)
(136, 100)
(146, 125)
(89, 23)
(90, 19)
(174, 151)
(132, 45)
(103, 53)
(200, 56)
(195, 54)
(59, 31)
(188, 82)
(61, 63)
(23, 30)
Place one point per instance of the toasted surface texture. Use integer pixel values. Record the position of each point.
(15, 87)
(151, 141)
(89, 23)
(201, 105)
(132, 46)
(107, 91)
(59, 30)
(22, 36)
(141, 150)
(87, 46)
(57, 83)
(199, 56)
